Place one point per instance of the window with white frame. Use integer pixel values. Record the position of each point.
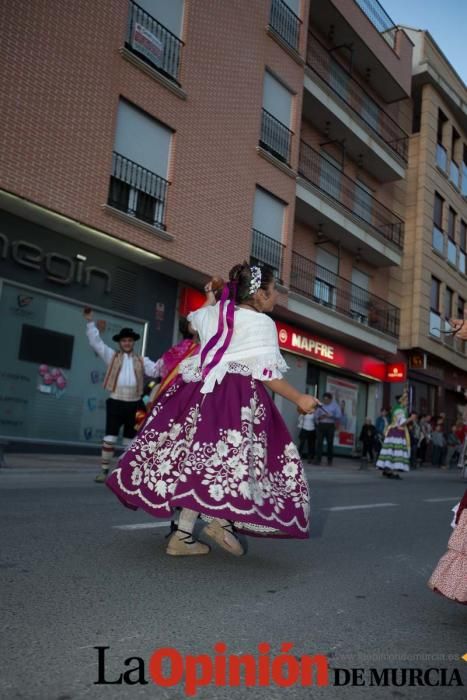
(138, 184)
(268, 224)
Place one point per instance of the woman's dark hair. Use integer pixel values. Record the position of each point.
(184, 328)
(241, 274)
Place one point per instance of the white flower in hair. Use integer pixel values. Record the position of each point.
(255, 283)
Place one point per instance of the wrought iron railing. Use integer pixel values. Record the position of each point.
(267, 251)
(286, 23)
(137, 191)
(275, 137)
(338, 294)
(322, 62)
(153, 42)
(379, 19)
(327, 177)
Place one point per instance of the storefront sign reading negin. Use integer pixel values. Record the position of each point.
(58, 268)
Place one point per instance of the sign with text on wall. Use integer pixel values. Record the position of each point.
(309, 345)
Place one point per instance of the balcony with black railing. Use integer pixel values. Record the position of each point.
(267, 251)
(338, 294)
(320, 172)
(347, 89)
(276, 138)
(137, 191)
(380, 20)
(153, 42)
(285, 23)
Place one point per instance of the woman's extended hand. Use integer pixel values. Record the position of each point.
(307, 403)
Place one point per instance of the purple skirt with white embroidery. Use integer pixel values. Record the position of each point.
(227, 454)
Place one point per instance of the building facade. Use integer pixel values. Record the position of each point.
(147, 146)
(434, 266)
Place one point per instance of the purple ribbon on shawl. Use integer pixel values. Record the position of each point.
(229, 294)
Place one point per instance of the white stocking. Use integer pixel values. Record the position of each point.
(186, 521)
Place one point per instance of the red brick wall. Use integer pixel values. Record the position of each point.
(59, 103)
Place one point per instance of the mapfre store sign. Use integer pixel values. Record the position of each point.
(315, 348)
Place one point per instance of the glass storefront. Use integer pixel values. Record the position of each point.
(352, 398)
(50, 378)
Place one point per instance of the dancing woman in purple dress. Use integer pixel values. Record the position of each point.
(216, 445)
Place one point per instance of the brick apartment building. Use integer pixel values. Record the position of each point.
(434, 266)
(148, 146)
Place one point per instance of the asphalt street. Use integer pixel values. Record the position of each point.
(78, 570)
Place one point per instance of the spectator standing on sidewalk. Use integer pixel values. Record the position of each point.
(381, 426)
(439, 444)
(414, 435)
(327, 418)
(453, 447)
(426, 432)
(368, 439)
(307, 435)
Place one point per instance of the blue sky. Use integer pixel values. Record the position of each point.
(446, 20)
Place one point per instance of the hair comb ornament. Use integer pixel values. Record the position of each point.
(255, 283)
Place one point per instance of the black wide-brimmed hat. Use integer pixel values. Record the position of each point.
(126, 333)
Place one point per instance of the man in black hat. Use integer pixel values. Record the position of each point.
(125, 382)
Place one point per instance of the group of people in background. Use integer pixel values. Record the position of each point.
(432, 439)
(429, 439)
